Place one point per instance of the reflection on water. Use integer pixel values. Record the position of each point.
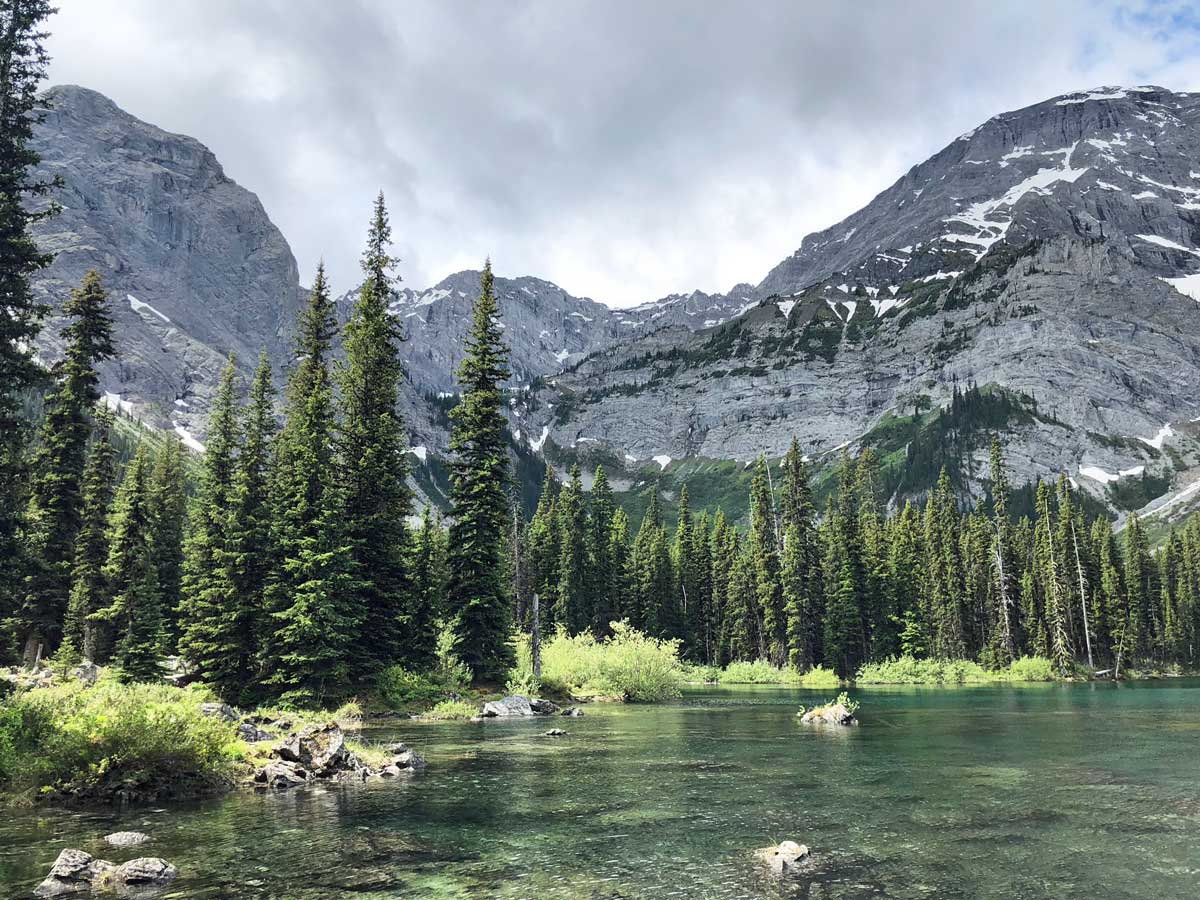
(1089, 791)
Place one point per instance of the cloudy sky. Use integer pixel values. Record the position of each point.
(625, 149)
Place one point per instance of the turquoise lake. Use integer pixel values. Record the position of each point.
(1063, 791)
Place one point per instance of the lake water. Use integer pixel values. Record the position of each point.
(1077, 791)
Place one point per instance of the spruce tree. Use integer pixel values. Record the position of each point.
(213, 636)
(307, 653)
(764, 547)
(943, 572)
(248, 555)
(602, 578)
(23, 62)
(741, 636)
(542, 553)
(479, 474)
(135, 613)
(701, 626)
(723, 549)
(1006, 630)
(571, 608)
(168, 514)
(89, 587)
(906, 580)
(1050, 575)
(686, 574)
(619, 554)
(374, 460)
(428, 581)
(56, 500)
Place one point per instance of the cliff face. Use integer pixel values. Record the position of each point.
(195, 268)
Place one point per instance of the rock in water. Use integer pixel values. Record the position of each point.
(784, 858)
(555, 732)
(517, 705)
(573, 712)
(72, 873)
(126, 838)
(833, 714)
(142, 875)
(409, 759)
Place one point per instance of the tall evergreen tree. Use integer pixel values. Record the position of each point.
(374, 461)
(23, 62)
(89, 587)
(1006, 629)
(168, 515)
(541, 552)
(1050, 577)
(428, 582)
(248, 556)
(307, 655)
(135, 613)
(480, 473)
(687, 575)
(764, 548)
(602, 581)
(572, 610)
(619, 554)
(943, 571)
(213, 636)
(56, 498)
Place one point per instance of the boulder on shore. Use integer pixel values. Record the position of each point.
(77, 872)
(517, 705)
(222, 711)
(784, 858)
(319, 748)
(833, 714)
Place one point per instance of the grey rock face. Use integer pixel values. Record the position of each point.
(194, 267)
(516, 705)
(1054, 251)
(72, 873)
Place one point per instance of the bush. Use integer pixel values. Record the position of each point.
(820, 677)
(909, 670)
(758, 672)
(628, 665)
(454, 709)
(142, 740)
(1029, 668)
(399, 688)
(700, 674)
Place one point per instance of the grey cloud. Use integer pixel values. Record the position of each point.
(623, 149)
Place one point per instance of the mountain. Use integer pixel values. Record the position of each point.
(195, 268)
(1048, 257)
(1038, 277)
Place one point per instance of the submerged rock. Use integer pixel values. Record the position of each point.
(77, 872)
(555, 732)
(126, 838)
(833, 714)
(516, 705)
(784, 858)
(572, 711)
(72, 873)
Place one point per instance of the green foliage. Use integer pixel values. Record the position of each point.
(149, 740)
(907, 670)
(401, 689)
(852, 706)
(628, 665)
(476, 595)
(702, 674)
(819, 677)
(453, 709)
(759, 671)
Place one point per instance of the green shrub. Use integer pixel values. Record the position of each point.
(758, 672)
(141, 739)
(453, 709)
(628, 665)
(700, 674)
(399, 688)
(909, 670)
(1029, 668)
(820, 677)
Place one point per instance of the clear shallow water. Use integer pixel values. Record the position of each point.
(1089, 791)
